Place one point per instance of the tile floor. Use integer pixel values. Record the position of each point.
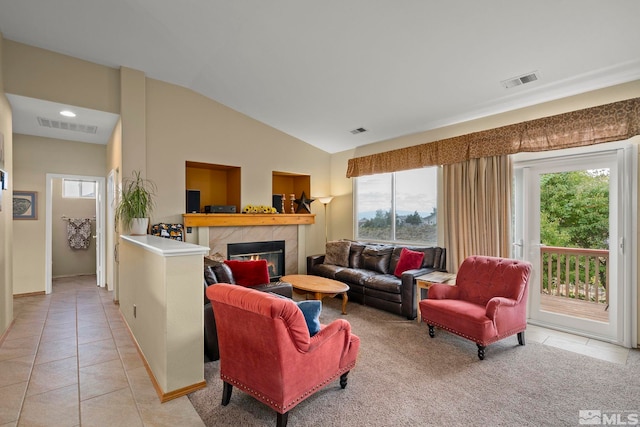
(578, 344)
(68, 360)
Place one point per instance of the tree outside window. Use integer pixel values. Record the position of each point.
(399, 206)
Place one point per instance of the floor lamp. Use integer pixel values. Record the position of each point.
(325, 201)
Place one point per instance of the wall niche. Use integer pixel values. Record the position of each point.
(218, 184)
(290, 183)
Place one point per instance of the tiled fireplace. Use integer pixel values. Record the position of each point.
(221, 237)
(270, 251)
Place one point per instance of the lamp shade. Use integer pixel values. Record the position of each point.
(325, 200)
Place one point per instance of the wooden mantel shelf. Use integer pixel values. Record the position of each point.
(231, 220)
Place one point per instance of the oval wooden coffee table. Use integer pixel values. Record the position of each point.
(318, 287)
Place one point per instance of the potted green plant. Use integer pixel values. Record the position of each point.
(136, 203)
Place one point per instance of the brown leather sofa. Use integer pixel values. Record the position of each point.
(368, 269)
(219, 272)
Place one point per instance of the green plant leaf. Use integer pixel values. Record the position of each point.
(136, 199)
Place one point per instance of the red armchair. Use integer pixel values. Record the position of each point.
(487, 303)
(266, 349)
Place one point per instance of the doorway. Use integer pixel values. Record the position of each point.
(573, 223)
(97, 236)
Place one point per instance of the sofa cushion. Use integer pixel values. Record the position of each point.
(459, 315)
(311, 310)
(209, 275)
(384, 282)
(429, 257)
(355, 255)
(250, 272)
(337, 253)
(395, 257)
(327, 270)
(223, 273)
(376, 258)
(354, 275)
(409, 260)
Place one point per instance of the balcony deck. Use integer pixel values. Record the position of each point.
(574, 307)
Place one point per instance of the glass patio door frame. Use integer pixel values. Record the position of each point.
(622, 326)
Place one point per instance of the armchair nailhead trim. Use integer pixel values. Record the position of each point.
(455, 332)
(295, 401)
(485, 343)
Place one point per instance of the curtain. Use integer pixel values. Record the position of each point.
(476, 214)
(605, 123)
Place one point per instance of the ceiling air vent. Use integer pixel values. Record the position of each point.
(357, 131)
(73, 127)
(520, 80)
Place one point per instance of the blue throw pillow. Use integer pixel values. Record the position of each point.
(311, 310)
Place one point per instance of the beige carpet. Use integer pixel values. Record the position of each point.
(405, 378)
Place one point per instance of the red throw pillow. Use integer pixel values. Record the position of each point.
(409, 260)
(249, 273)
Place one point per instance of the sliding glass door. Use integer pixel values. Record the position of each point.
(571, 217)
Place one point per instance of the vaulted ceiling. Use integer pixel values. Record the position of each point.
(320, 70)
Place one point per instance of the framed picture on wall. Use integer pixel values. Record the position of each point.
(25, 205)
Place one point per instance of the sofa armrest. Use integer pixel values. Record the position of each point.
(409, 308)
(281, 288)
(313, 260)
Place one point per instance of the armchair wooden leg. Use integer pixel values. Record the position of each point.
(343, 379)
(432, 333)
(481, 351)
(521, 338)
(226, 393)
(282, 419)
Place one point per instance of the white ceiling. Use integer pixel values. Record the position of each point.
(317, 70)
(27, 111)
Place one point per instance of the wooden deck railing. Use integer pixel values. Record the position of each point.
(575, 273)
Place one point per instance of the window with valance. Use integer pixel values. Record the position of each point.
(605, 123)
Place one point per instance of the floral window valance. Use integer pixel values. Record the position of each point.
(606, 123)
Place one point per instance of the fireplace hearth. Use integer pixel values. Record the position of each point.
(272, 251)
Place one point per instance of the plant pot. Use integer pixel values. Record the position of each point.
(139, 226)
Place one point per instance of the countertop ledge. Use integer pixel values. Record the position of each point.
(166, 247)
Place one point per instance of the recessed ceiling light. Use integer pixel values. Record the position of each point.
(67, 113)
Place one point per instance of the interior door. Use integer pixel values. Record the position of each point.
(574, 288)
